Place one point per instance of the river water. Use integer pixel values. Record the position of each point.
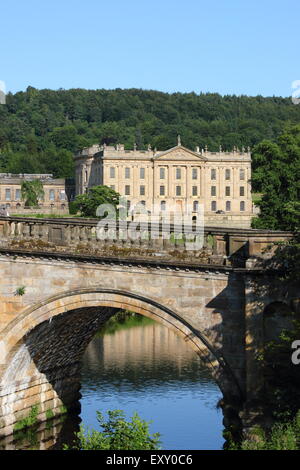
(142, 366)
(149, 369)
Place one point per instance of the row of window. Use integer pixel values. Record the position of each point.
(213, 174)
(9, 195)
(227, 206)
(178, 190)
(213, 207)
(213, 190)
(162, 173)
(162, 189)
(19, 205)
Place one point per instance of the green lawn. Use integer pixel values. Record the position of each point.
(45, 216)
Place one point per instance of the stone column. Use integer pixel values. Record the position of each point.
(67, 234)
(25, 229)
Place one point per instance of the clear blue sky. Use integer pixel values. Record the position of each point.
(230, 46)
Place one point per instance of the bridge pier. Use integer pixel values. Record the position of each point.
(42, 379)
(43, 397)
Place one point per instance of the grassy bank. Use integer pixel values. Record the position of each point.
(124, 319)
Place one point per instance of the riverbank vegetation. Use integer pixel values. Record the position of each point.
(283, 436)
(282, 376)
(117, 434)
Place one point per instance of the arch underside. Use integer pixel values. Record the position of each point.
(44, 345)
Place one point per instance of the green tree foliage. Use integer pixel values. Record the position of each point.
(31, 192)
(88, 203)
(117, 434)
(287, 259)
(283, 436)
(40, 129)
(282, 377)
(276, 174)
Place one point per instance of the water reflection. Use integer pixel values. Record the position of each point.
(149, 369)
(145, 367)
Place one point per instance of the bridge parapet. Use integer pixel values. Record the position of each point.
(212, 246)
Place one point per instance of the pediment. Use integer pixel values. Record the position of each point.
(179, 153)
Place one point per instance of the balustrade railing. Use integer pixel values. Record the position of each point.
(77, 234)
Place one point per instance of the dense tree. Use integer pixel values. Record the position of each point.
(31, 192)
(276, 174)
(88, 203)
(39, 127)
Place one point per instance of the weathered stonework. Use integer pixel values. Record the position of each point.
(216, 308)
(221, 246)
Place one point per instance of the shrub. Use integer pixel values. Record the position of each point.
(283, 436)
(117, 434)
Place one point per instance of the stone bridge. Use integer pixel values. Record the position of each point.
(60, 283)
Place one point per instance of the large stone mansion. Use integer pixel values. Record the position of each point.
(178, 176)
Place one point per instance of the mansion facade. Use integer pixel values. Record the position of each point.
(180, 177)
(55, 198)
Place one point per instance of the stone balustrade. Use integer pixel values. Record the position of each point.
(84, 235)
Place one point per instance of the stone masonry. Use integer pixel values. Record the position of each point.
(53, 302)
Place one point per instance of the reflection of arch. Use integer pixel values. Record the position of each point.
(93, 298)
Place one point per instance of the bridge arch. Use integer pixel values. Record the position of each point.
(43, 346)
